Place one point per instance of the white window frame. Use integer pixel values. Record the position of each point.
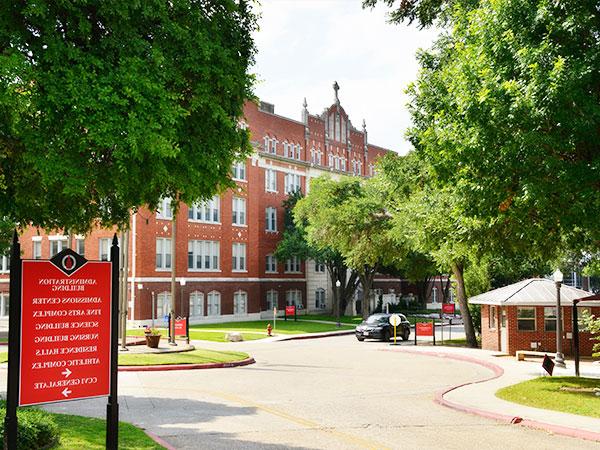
(298, 152)
(208, 211)
(163, 304)
(293, 183)
(104, 245)
(163, 249)
(80, 245)
(271, 219)
(270, 263)
(240, 303)
(492, 319)
(319, 267)
(205, 256)
(330, 160)
(293, 265)
(238, 211)
(550, 318)
(293, 297)
(164, 210)
(534, 318)
(58, 241)
(213, 303)
(4, 305)
(238, 257)
(196, 304)
(320, 298)
(238, 171)
(4, 264)
(270, 180)
(272, 299)
(36, 252)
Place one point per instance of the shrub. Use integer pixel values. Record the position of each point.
(37, 428)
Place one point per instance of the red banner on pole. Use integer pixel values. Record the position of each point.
(180, 327)
(65, 330)
(448, 308)
(424, 329)
(290, 310)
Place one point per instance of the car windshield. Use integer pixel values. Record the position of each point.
(376, 319)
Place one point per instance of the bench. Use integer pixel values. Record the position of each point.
(520, 354)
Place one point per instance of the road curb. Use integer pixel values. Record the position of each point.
(515, 420)
(166, 367)
(159, 440)
(316, 336)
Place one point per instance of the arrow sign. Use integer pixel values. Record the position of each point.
(66, 373)
(66, 392)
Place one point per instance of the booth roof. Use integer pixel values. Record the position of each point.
(535, 292)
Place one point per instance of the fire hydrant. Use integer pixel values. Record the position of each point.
(269, 329)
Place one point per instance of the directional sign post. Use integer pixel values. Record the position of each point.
(395, 321)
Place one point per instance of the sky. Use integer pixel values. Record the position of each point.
(305, 45)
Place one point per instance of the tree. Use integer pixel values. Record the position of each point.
(295, 243)
(348, 216)
(425, 13)
(107, 106)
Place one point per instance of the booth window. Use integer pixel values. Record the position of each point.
(526, 319)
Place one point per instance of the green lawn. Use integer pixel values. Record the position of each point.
(282, 327)
(545, 392)
(350, 320)
(199, 335)
(198, 356)
(78, 432)
(3, 357)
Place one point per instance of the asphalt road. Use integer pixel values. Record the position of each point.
(333, 393)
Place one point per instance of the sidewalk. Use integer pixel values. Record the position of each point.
(479, 397)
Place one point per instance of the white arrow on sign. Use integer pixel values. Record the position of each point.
(66, 373)
(66, 392)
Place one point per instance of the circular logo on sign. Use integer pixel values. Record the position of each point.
(395, 320)
(68, 262)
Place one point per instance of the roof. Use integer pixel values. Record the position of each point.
(531, 292)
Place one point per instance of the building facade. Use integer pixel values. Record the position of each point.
(224, 260)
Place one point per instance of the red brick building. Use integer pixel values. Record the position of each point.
(522, 316)
(224, 263)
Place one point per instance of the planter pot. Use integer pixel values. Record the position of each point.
(152, 341)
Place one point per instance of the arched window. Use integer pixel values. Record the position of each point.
(196, 304)
(240, 302)
(213, 303)
(294, 297)
(163, 304)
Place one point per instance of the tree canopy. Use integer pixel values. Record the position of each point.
(107, 106)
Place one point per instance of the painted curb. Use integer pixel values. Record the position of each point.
(498, 372)
(166, 367)
(158, 440)
(316, 336)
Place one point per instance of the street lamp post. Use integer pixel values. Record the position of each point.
(559, 359)
(338, 285)
(182, 282)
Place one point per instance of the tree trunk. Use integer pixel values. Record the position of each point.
(457, 270)
(366, 279)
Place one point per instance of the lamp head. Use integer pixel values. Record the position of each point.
(338, 283)
(558, 276)
(140, 286)
(183, 281)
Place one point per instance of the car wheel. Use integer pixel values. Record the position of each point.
(360, 338)
(386, 336)
(405, 334)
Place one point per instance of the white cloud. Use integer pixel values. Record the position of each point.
(305, 45)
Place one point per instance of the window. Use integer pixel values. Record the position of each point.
(104, 249)
(203, 255)
(37, 249)
(238, 170)
(163, 253)
(286, 150)
(343, 164)
(492, 318)
(319, 267)
(330, 160)
(313, 155)
(550, 318)
(213, 303)
(207, 211)
(292, 183)
(320, 300)
(57, 244)
(294, 298)
(238, 259)
(163, 304)
(4, 263)
(298, 152)
(196, 304)
(3, 304)
(319, 157)
(164, 210)
(271, 264)
(240, 302)
(80, 245)
(336, 160)
(271, 219)
(292, 265)
(526, 319)
(270, 180)
(239, 211)
(270, 145)
(271, 300)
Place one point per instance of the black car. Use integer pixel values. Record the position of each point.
(378, 326)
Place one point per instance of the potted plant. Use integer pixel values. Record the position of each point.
(152, 337)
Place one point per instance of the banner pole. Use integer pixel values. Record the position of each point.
(14, 331)
(112, 407)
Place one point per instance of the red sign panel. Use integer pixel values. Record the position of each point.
(180, 327)
(65, 331)
(424, 328)
(448, 308)
(290, 310)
